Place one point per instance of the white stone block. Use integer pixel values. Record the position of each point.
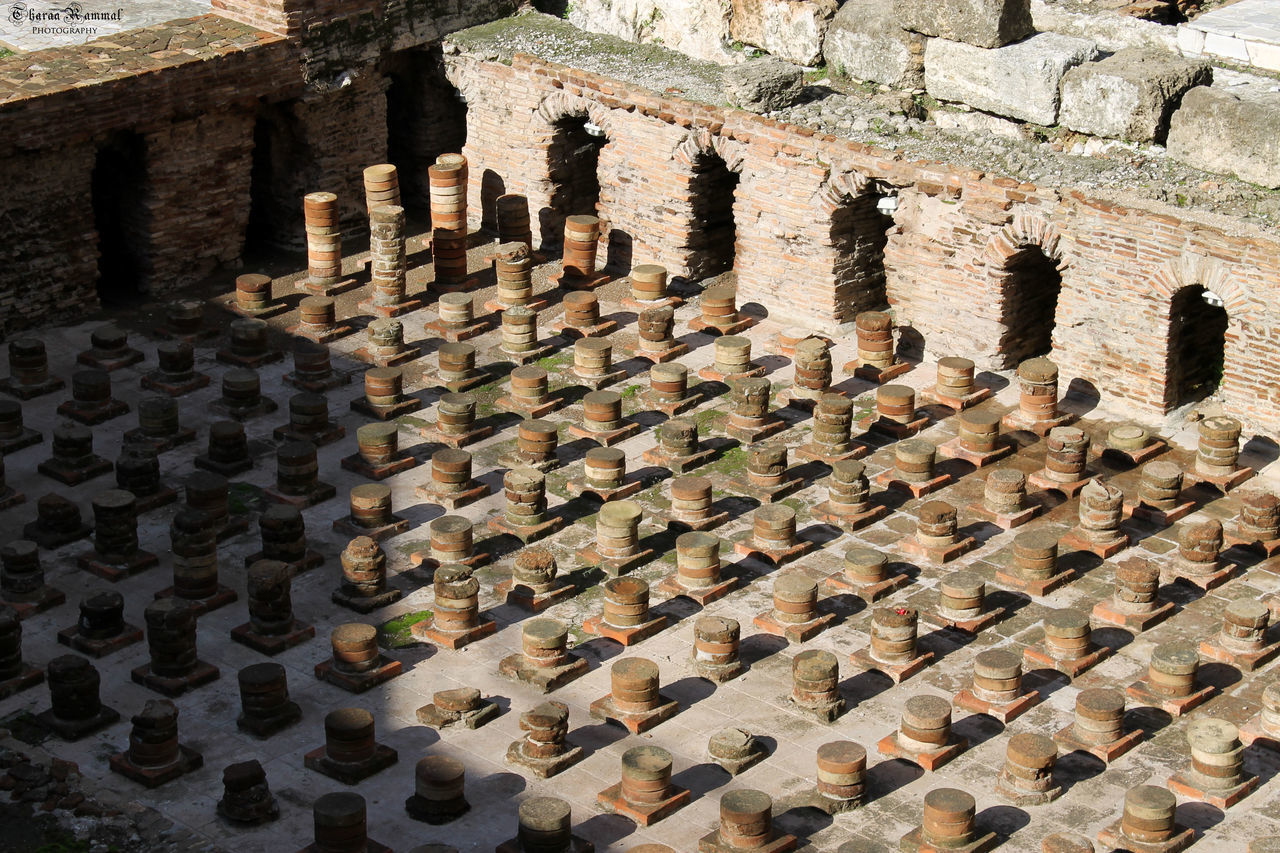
(1190, 40)
(1228, 47)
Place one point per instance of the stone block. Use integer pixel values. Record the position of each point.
(763, 85)
(1129, 95)
(789, 29)
(866, 42)
(1019, 81)
(1233, 130)
(981, 23)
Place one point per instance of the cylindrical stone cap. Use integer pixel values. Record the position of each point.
(545, 814)
(339, 809)
(646, 763)
(1066, 842)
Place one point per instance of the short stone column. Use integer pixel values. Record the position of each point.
(1199, 557)
(265, 706)
(1242, 641)
(1098, 530)
(832, 440)
(456, 620)
(1068, 644)
(794, 614)
(697, 575)
(318, 321)
(298, 482)
(451, 539)
(513, 262)
(746, 823)
(176, 373)
(528, 393)
(602, 419)
(719, 312)
(868, 574)
(1170, 682)
(715, 648)
(356, 664)
(1032, 564)
(452, 485)
(525, 515)
(324, 245)
(842, 777)
(924, 736)
(655, 341)
(1066, 462)
(283, 533)
(1027, 776)
(649, 289)
(272, 627)
(750, 419)
(1135, 605)
(1257, 522)
(734, 749)
(455, 424)
(14, 434)
(1148, 823)
(520, 342)
(351, 752)
(536, 443)
(955, 385)
(439, 794)
(773, 536)
(1098, 727)
(29, 375)
(617, 547)
(109, 350)
(625, 617)
(645, 794)
(937, 538)
(228, 450)
(15, 674)
(582, 317)
(1038, 398)
(545, 661)
(1160, 497)
(768, 476)
(979, 441)
(1218, 454)
(815, 685)
(948, 823)
(378, 454)
(893, 651)
(22, 585)
(813, 373)
(101, 628)
(895, 415)
(253, 297)
(732, 360)
(76, 707)
(1004, 499)
(174, 666)
(193, 542)
(384, 398)
(249, 344)
(58, 522)
(634, 700)
(545, 823)
(72, 460)
(242, 397)
(996, 688)
(462, 706)
(668, 390)
(582, 235)
(387, 263)
(246, 798)
(692, 505)
(155, 756)
(913, 469)
(604, 476)
(535, 583)
(679, 448)
(848, 504)
(544, 750)
(340, 826)
(876, 361)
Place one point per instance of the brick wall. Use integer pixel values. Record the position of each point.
(945, 256)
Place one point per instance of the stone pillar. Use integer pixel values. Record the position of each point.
(746, 823)
(265, 706)
(175, 666)
(715, 648)
(355, 664)
(271, 627)
(351, 752)
(645, 794)
(842, 768)
(77, 710)
(924, 735)
(543, 750)
(1170, 682)
(1027, 776)
(246, 798)
(996, 688)
(815, 684)
(155, 756)
(1101, 510)
(439, 790)
(634, 700)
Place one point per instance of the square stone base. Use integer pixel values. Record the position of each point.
(27, 437)
(436, 718)
(336, 380)
(29, 677)
(912, 546)
(671, 587)
(750, 435)
(272, 644)
(1252, 733)
(1105, 550)
(1042, 481)
(162, 496)
(424, 560)
(526, 533)
(544, 679)
(712, 843)
(470, 379)
(712, 375)
(1106, 612)
(572, 281)
(764, 494)
(734, 766)
(803, 399)
(958, 403)
(349, 527)
(172, 686)
(828, 513)
(815, 799)
(1066, 738)
(433, 433)
(544, 768)
(639, 305)
(405, 306)
(677, 523)
(310, 560)
(644, 814)
(955, 449)
(518, 595)
(366, 603)
(358, 464)
(507, 403)
(316, 288)
(719, 673)
(578, 486)
(95, 565)
(594, 382)
(426, 632)
(893, 429)
(871, 592)
(794, 632)
(606, 438)
(741, 324)
(678, 464)
(253, 362)
(1023, 799)
(823, 712)
(1002, 712)
(1016, 420)
(370, 846)
(615, 566)
(497, 306)
(265, 727)
(160, 444)
(320, 437)
(226, 469)
(1036, 588)
(96, 648)
(913, 842)
(1170, 571)
(576, 845)
(358, 682)
(436, 812)
(1173, 706)
(154, 777)
(627, 636)
(895, 672)
(390, 412)
(916, 490)
(498, 354)
(123, 358)
(52, 385)
(155, 381)
(1269, 547)
(264, 406)
(603, 328)
(1006, 521)
(877, 375)
(817, 453)
(1137, 457)
(335, 332)
(457, 285)
(43, 599)
(636, 723)
(318, 495)
(1070, 668)
(456, 334)
(221, 598)
(513, 458)
(1112, 838)
(349, 773)
(1222, 482)
(670, 408)
(471, 493)
(929, 760)
(74, 475)
(661, 356)
(1243, 661)
(1160, 517)
(777, 556)
(73, 730)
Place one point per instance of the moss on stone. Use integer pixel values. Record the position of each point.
(395, 633)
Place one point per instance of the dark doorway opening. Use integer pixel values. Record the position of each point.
(263, 216)
(1031, 288)
(426, 117)
(120, 215)
(859, 232)
(573, 167)
(1197, 342)
(714, 231)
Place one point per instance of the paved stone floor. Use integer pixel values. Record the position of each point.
(755, 701)
(27, 25)
(1247, 32)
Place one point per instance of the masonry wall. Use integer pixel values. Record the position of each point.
(944, 259)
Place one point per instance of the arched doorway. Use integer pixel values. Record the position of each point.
(859, 232)
(1197, 340)
(1029, 291)
(713, 232)
(573, 163)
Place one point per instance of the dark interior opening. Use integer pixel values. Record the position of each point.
(859, 232)
(1031, 289)
(426, 117)
(1197, 340)
(259, 234)
(714, 233)
(121, 218)
(573, 167)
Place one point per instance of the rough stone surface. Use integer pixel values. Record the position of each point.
(1111, 32)
(789, 29)
(981, 23)
(698, 28)
(1018, 81)
(866, 42)
(1234, 129)
(763, 85)
(1129, 95)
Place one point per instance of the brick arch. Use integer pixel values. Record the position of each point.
(561, 105)
(1191, 269)
(846, 185)
(701, 142)
(1025, 231)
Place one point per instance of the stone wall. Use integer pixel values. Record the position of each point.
(946, 254)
